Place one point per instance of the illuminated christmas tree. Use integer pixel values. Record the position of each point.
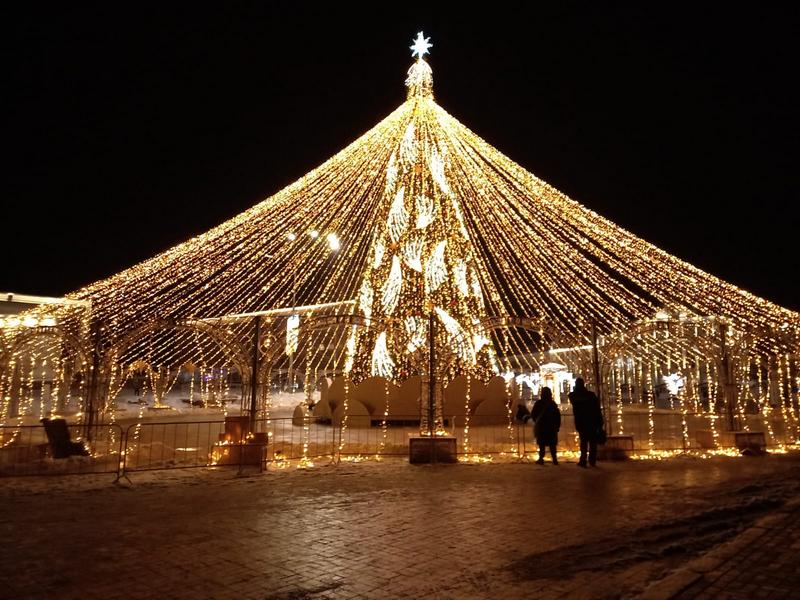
(421, 259)
(422, 262)
(431, 223)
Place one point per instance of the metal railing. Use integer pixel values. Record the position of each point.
(289, 440)
(25, 450)
(173, 445)
(148, 446)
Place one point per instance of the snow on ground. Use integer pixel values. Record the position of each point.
(177, 406)
(129, 407)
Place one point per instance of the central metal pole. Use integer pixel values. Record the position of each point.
(728, 381)
(94, 380)
(291, 354)
(254, 377)
(596, 366)
(431, 377)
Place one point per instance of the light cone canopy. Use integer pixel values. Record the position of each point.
(514, 246)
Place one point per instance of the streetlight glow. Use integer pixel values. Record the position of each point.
(333, 242)
(314, 233)
(292, 237)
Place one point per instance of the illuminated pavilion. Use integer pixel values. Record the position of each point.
(419, 250)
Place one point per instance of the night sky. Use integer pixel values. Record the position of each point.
(131, 127)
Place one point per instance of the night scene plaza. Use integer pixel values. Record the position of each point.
(378, 381)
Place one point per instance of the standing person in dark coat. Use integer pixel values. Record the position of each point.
(137, 384)
(547, 421)
(588, 420)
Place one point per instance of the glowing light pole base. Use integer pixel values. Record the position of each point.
(424, 449)
(617, 447)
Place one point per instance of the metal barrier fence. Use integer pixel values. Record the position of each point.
(360, 437)
(288, 441)
(672, 431)
(175, 445)
(25, 450)
(146, 446)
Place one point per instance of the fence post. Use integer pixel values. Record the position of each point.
(94, 379)
(254, 377)
(241, 444)
(122, 465)
(338, 454)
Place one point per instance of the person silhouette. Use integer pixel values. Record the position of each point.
(546, 423)
(588, 420)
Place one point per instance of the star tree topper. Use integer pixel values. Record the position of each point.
(421, 45)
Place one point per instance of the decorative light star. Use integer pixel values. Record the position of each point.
(421, 45)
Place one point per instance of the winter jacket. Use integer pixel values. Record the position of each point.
(586, 409)
(547, 421)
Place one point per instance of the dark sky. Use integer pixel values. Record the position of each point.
(129, 127)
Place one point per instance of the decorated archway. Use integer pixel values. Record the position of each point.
(161, 351)
(43, 373)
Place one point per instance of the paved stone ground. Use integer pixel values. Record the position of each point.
(393, 530)
(762, 562)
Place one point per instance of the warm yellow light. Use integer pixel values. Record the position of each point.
(333, 242)
(438, 221)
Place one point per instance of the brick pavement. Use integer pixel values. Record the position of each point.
(383, 530)
(761, 562)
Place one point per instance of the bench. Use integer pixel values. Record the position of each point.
(58, 438)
